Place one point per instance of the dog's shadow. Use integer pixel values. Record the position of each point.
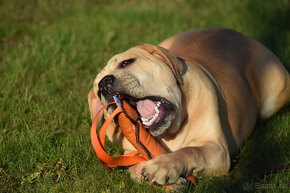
(265, 153)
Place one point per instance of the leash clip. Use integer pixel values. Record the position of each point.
(118, 102)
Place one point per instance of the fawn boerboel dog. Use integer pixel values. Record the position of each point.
(199, 93)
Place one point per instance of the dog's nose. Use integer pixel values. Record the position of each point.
(107, 82)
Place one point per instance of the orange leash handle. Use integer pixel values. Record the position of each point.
(129, 130)
(98, 142)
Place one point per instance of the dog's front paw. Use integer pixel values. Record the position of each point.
(163, 170)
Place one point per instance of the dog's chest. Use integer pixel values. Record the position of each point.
(175, 142)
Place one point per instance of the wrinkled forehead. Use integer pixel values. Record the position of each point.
(135, 52)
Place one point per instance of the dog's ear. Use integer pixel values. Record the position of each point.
(94, 105)
(172, 61)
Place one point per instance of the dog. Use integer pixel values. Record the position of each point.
(199, 93)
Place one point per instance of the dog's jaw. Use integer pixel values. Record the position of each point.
(156, 129)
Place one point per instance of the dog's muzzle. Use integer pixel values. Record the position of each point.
(106, 87)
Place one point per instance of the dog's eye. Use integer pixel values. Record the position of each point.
(127, 62)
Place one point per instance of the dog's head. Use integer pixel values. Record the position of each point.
(148, 78)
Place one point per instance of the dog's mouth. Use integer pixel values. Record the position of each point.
(152, 110)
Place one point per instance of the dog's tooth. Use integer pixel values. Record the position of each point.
(156, 110)
(144, 119)
(157, 120)
(146, 123)
(149, 123)
(156, 114)
(158, 104)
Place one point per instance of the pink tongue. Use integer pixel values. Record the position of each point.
(146, 108)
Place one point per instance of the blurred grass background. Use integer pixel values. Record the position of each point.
(50, 52)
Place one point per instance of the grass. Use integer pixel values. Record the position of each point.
(50, 52)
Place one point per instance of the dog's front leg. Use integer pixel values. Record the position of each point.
(166, 169)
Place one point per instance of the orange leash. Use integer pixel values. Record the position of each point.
(147, 147)
(98, 142)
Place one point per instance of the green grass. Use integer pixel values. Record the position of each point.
(50, 52)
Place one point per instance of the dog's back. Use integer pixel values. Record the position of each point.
(218, 49)
(252, 79)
